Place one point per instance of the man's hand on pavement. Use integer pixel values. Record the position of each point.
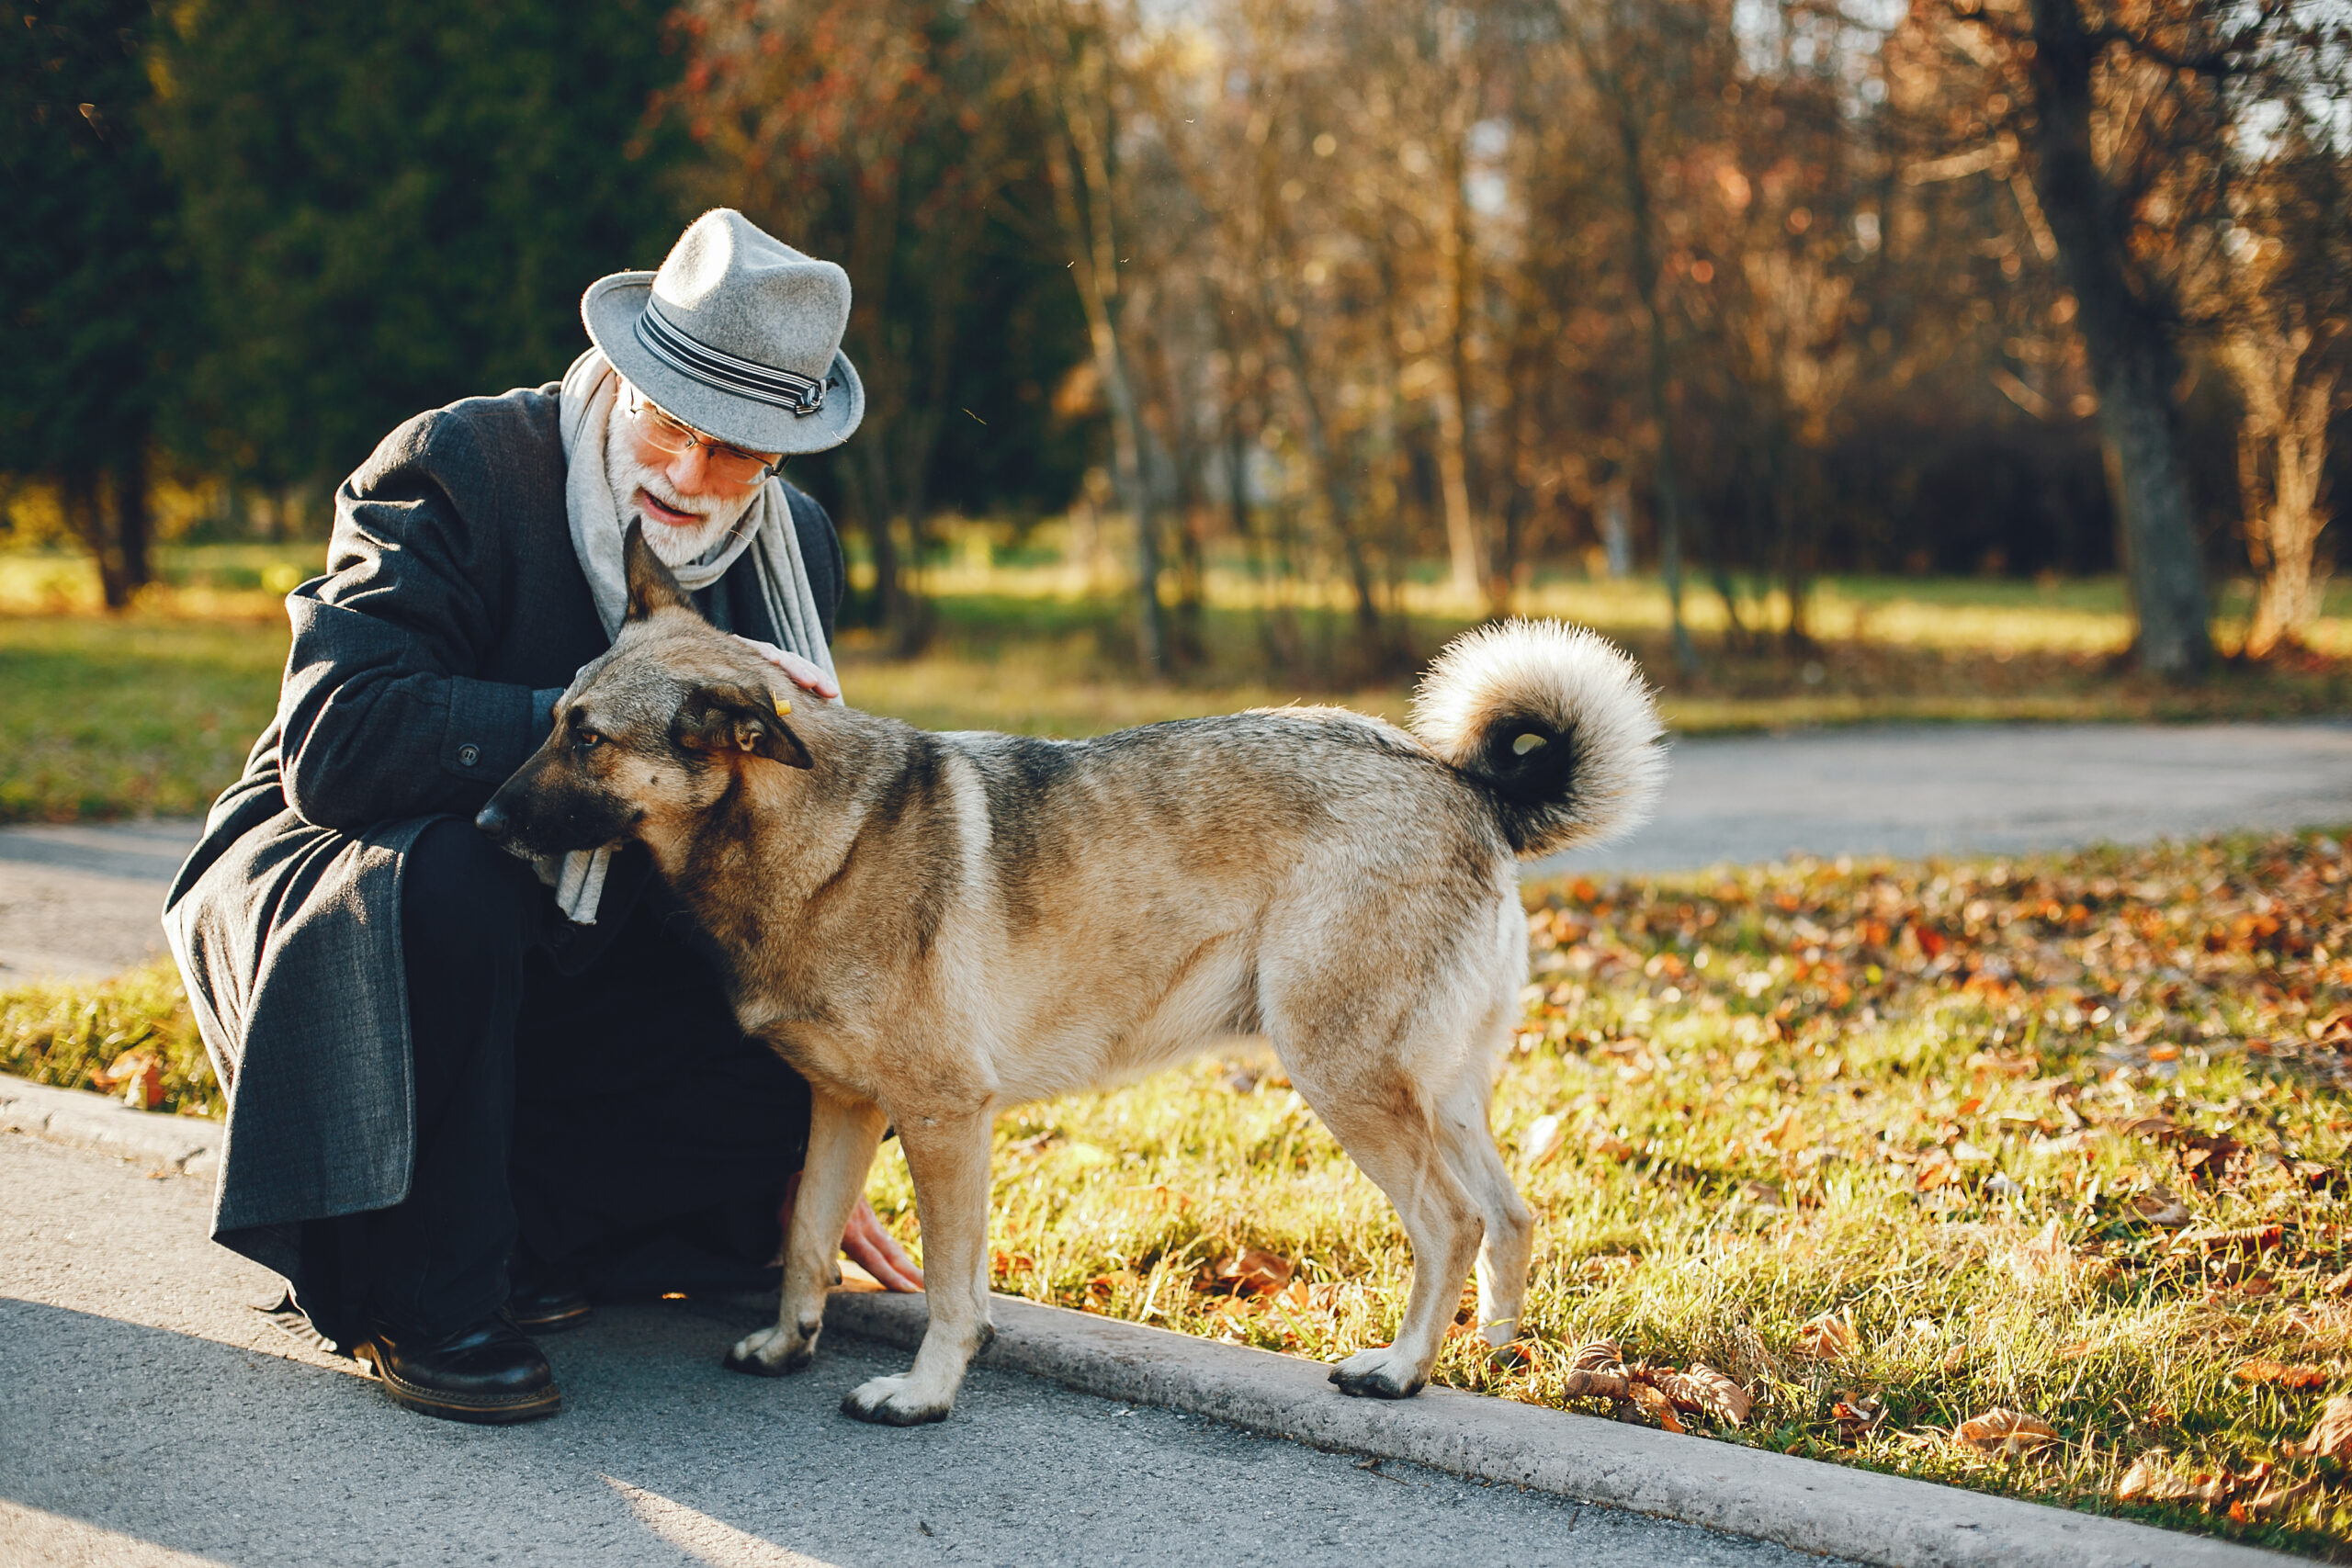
(802, 673)
(864, 1243)
(876, 1251)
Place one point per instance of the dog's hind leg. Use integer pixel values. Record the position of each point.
(842, 1136)
(1386, 1122)
(1468, 1144)
(948, 1157)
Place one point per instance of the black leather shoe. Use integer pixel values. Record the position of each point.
(488, 1371)
(547, 1306)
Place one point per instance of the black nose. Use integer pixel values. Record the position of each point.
(492, 819)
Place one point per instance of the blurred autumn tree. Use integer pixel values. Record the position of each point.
(894, 136)
(95, 294)
(2122, 118)
(2278, 292)
(1381, 304)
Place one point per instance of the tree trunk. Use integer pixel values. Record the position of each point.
(2132, 361)
(1080, 174)
(2284, 532)
(1464, 545)
(83, 493)
(1648, 278)
(897, 610)
(134, 524)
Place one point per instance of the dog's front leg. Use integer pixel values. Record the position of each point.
(842, 1136)
(948, 1157)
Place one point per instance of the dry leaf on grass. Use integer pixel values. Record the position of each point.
(1828, 1337)
(2005, 1432)
(2274, 1499)
(1707, 1390)
(2161, 1206)
(1595, 1356)
(1652, 1401)
(1252, 1271)
(2145, 1482)
(1592, 1384)
(2332, 1435)
(2260, 1371)
(1654, 1394)
(1858, 1416)
(137, 1076)
(2256, 1239)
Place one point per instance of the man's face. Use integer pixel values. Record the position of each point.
(689, 492)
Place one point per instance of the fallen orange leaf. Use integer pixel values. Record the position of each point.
(2007, 1431)
(1828, 1337)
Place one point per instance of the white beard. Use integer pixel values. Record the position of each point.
(675, 546)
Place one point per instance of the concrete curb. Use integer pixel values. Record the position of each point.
(187, 1143)
(1882, 1519)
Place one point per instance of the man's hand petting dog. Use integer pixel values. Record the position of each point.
(800, 671)
(864, 1243)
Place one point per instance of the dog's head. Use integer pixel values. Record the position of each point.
(652, 734)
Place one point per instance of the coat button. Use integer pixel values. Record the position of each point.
(469, 755)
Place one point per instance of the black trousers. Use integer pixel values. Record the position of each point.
(607, 1123)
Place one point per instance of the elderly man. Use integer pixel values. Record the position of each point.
(467, 1094)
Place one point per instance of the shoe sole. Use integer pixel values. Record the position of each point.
(483, 1411)
(556, 1324)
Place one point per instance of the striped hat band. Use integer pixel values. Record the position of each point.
(713, 368)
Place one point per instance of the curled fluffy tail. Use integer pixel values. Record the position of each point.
(1556, 723)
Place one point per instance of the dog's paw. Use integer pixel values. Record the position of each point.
(771, 1353)
(886, 1401)
(1378, 1373)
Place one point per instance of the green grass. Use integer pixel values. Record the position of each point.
(151, 712)
(140, 716)
(1939, 1102)
(75, 1036)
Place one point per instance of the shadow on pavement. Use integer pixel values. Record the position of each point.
(117, 1433)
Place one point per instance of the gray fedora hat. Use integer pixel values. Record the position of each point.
(739, 334)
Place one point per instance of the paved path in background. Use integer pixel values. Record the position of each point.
(1994, 789)
(79, 901)
(82, 900)
(150, 1416)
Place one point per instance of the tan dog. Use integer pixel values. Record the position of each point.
(933, 927)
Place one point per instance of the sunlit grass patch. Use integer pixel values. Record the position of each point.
(104, 1036)
(1895, 1148)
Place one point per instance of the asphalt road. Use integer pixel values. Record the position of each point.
(81, 900)
(148, 1415)
(1996, 789)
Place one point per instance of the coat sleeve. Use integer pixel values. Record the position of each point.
(381, 714)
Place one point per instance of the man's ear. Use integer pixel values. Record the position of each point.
(652, 585)
(741, 719)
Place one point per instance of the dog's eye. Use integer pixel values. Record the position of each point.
(588, 738)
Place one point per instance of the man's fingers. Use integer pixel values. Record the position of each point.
(801, 671)
(874, 1250)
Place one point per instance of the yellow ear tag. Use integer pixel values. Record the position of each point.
(783, 708)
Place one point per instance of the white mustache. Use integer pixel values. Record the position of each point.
(657, 485)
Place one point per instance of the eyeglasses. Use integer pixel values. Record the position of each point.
(667, 434)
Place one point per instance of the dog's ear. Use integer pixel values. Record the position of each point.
(652, 585)
(741, 719)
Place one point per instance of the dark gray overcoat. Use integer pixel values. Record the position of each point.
(424, 668)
